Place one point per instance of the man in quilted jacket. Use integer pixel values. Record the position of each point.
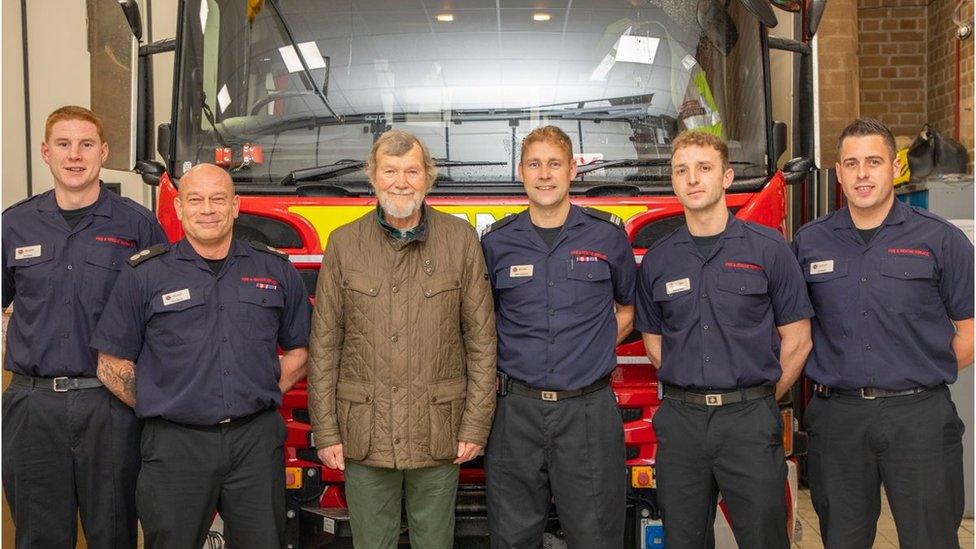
(402, 355)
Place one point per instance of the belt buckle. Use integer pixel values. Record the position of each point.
(713, 400)
(865, 395)
(550, 396)
(57, 387)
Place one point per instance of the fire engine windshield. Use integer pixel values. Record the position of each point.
(269, 88)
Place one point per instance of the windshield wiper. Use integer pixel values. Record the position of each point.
(638, 162)
(301, 58)
(345, 166)
(622, 163)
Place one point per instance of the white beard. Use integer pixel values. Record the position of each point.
(398, 209)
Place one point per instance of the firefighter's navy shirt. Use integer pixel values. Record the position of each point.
(884, 308)
(205, 345)
(59, 278)
(555, 311)
(718, 314)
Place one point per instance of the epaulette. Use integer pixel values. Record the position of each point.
(24, 201)
(261, 246)
(604, 216)
(764, 231)
(148, 253)
(498, 224)
(818, 221)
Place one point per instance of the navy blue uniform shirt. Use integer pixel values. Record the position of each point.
(205, 345)
(555, 315)
(884, 308)
(59, 278)
(717, 315)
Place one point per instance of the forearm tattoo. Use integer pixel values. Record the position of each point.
(119, 376)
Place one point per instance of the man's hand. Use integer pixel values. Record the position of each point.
(467, 451)
(331, 456)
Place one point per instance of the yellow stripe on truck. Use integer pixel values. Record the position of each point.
(326, 219)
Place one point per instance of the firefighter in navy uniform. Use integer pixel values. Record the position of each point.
(68, 444)
(563, 280)
(725, 316)
(189, 338)
(892, 287)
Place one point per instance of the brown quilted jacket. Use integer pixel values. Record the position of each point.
(402, 354)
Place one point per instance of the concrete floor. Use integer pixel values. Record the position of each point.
(887, 537)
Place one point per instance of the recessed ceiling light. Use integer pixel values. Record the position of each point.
(445, 17)
(541, 17)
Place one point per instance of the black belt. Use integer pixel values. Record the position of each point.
(507, 385)
(718, 397)
(56, 384)
(869, 393)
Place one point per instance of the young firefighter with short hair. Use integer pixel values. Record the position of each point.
(892, 287)
(725, 317)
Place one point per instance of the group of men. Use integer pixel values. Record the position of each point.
(426, 348)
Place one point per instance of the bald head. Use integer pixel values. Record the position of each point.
(207, 207)
(206, 173)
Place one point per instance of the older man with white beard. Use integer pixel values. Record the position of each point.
(402, 355)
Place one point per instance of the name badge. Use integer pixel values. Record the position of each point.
(176, 297)
(821, 267)
(27, 252)
(520, 271)
(676, 286)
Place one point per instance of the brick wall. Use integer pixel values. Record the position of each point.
(892, 61)
(837, 74)
(941, 78)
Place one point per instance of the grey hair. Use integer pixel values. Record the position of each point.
(399, 143)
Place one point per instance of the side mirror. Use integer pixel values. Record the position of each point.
(762, 11)
(779, 140)
(797, 169)
(162, 140)
(130, 8)
(114, 49)
(815, 11)
(151, 171)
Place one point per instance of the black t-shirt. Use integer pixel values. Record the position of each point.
(868, 234)
(215, 264)
(706, 243)
(548, 234)
(73, 217)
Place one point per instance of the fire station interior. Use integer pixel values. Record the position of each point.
(908, 63)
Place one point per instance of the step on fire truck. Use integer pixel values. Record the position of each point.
(289, 95)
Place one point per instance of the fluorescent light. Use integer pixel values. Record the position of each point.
(541, 17)
(445, 17)
(310, 52)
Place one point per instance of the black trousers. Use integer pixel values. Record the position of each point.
(65, 453)
(570, 452)
(910, 444)
(736, 449)
(235, 468)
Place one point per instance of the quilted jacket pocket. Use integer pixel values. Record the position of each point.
(354, 405)
(446, 407)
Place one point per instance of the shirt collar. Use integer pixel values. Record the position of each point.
(184, 250)
(101, 207)
(575, 217)
(416, 233)
(897, 214)
(734, 228)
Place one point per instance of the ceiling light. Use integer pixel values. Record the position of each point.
(541, 17)
(445, 17)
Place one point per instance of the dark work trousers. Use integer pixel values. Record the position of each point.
(571, 451)
(911, 444)
(735, 450)
(70, 452)
(236, 468)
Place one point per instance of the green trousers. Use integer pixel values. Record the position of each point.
(374, 495)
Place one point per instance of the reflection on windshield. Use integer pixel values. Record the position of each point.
(621, 77)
